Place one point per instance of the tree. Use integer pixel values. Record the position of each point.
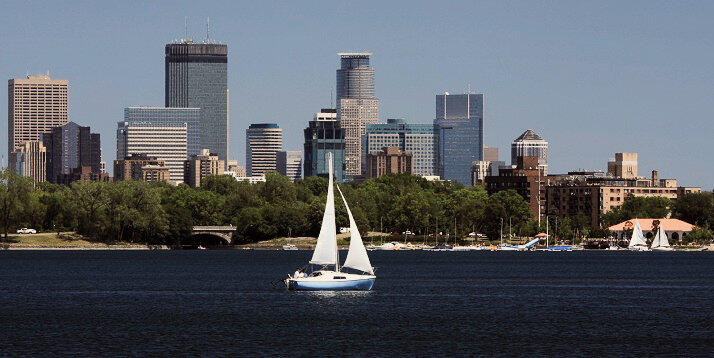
(15, 193)
(506, 205)
(637, 207)
(695, 208)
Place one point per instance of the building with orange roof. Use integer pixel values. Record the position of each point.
(674, 228)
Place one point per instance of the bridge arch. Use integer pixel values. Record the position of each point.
(211, 236)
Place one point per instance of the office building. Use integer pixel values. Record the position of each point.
(201, 166)
(530, 144)
(35, 105)
(490, 154)
(263, 141)
(289, 163)
(417, 139)
(141, 167)
(196, 77)
(161, 116)
(30, 160)
(167, 142)
(71, 146)
(623, 166)
(84, 173)
(357, 106)
(526, 178)
(480, 169)
(324, 135)
(458, 131)
(389, 160)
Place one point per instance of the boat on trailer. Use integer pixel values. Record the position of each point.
(331, 276)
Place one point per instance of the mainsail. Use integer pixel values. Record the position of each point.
(357, 255)
(637, 239)
(660, 239)
(326, 249)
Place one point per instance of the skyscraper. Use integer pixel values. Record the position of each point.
(289, 163)
(30, 160)
(262, 143)
(324, 135)
(458, 129)
(167, 142)
(35, 105)
(530, 144)
(161, 116)
(356, 106)
(417, 139)
(196, 77)
(70, 147)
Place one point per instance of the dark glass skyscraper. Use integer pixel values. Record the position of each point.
(69, 147)
(324, 135)
(458, 130)
(196, 77)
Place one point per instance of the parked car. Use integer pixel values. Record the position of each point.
(25, 230)
(408, 233)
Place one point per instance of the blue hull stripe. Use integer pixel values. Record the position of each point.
(349, 285)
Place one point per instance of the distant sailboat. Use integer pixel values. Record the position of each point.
(660, 242)
(637, 241)
(326, 254)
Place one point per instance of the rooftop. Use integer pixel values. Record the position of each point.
(648, 224)
(354, 54)
(529, 135)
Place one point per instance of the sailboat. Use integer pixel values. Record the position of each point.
(637, 241)
(331, 276)
(660, 242)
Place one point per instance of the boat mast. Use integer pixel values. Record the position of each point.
(337, 248)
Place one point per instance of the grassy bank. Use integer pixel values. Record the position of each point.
(63, 240)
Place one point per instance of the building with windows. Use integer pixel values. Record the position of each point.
(357, 106)
(480, 169)
(161, 116)
(263, 141)
(35, 105)
(458, 131)
(289, 163)
(593, 195)
(526, 178)
(530, 144)
(30, 160)
(141, 167)
(417, 139)
(389, 160)
(71, 146)
(201, 166)
(196, 77)
(624, 165)
(324, 135)
(167, 142)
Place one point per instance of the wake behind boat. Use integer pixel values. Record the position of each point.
(330, 276)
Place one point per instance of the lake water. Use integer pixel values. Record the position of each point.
(92, 303)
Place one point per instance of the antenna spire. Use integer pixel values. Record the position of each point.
(208, 29)
(185, 27)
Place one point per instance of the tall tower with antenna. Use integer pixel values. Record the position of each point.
(196, 76)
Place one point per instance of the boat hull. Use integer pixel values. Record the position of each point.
(364, 284)
(662, 248)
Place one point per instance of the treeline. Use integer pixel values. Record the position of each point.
(159, 213)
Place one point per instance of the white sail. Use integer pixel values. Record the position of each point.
(661, 239)
(357, 255)
(638, 238)
(326, 249)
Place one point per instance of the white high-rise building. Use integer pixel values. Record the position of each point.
(530, 144)
(167, 142)
(357, 106)
(289, 163)
(263, 141)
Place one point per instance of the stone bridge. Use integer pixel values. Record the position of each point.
(223, 232)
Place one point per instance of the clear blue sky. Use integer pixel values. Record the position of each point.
(592, 78)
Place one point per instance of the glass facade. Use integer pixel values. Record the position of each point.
(196, 77)
(324, 136)
(458, 130)
(417, 139)
(160, 116)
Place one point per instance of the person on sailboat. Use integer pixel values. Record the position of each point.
(296, 274)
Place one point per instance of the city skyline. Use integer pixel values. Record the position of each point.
(601, 83)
